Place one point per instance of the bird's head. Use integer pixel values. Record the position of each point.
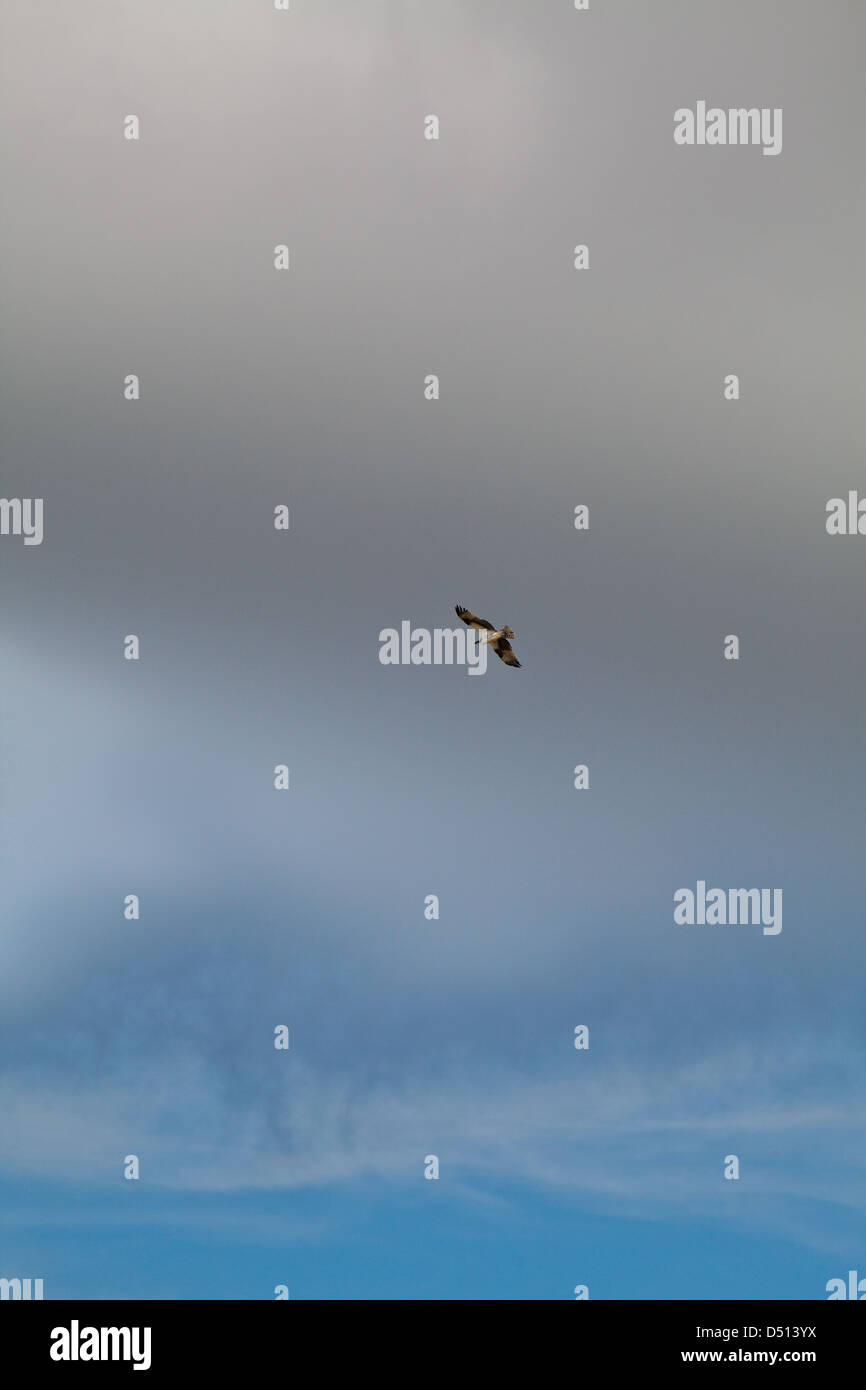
(506, 632)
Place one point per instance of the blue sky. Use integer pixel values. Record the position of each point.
(418, 1243)
(412, 1037)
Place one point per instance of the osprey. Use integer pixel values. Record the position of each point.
(495, 637)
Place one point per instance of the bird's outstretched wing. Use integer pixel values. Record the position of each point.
(505, 651)
(471, 621)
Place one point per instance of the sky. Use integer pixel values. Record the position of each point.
(559, 1168)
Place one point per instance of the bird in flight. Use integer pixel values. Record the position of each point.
(495, 637)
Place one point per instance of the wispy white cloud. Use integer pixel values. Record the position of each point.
(623, 1141)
